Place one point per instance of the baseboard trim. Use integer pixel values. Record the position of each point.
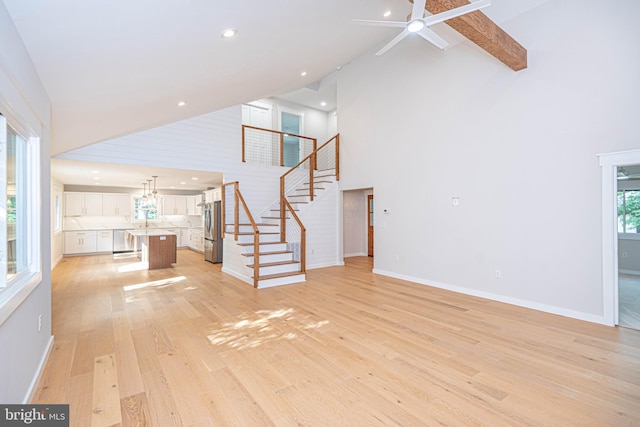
(238, 276)
(500, 298)
(38, 374)
(324, 264)
(54, 263)
(355, 254)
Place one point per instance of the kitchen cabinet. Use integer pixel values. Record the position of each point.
(196, 239)
(184, 237)
(104, 241)
(192, 205)
(213, 195)
(178, 233)
(116, 204)
(80, 242)
(82, 204)
(174, 205)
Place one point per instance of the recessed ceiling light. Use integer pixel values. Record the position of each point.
(95, 171)
(96, 177)
(339, 67)
(195, 178)
(304, 73)
(324, 104)
(182, 103)
(228, 33)
(173, 186)
(182, 182)
(96, 183)
(387, 14)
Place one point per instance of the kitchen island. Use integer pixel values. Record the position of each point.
(158, 248)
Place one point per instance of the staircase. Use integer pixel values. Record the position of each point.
(273, 249)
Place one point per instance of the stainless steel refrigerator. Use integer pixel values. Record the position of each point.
(212, 232)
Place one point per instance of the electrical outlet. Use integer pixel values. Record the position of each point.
(498, 274)
(39, 322)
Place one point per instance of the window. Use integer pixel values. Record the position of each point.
(19, 198)
(144, 210)
(629, 211)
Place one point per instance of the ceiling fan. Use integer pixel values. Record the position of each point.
(418, 24)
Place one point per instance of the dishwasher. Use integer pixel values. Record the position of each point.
(122, 241)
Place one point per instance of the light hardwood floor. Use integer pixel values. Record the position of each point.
(193, 346)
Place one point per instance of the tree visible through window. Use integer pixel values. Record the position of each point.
(629, 211)
(145, 210)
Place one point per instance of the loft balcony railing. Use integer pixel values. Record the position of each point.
(275, 148)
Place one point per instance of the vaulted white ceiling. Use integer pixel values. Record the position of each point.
(112, 68)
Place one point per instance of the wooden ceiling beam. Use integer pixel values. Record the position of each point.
(481, 30)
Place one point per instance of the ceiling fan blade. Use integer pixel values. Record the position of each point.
(431, 36)
(393, 42)
(379, 23)
(454, 13)
(418, 9)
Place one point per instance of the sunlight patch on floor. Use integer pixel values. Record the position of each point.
(154, 284)
(252, 332)
(136, 266)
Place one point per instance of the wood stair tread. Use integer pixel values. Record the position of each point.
(273, 264)
(250, 233)
(262, 224)
(270, 253)
(260, 243)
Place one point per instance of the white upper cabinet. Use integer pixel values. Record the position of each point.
(116, 204)
(174, 205)
(82, 204)
(192, 205)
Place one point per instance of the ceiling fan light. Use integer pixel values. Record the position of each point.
(415, 26)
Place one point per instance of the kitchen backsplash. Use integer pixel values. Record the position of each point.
(74, 223)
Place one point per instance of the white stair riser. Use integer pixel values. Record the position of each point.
(273, 247)
(299, 278)
(266, 258)
(275, 269)
(264, 238)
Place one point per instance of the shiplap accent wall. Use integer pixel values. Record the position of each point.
(321, 220)
(211, 142)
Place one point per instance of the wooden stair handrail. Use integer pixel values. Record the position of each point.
(303, 238)
(237, 201)
(312, 167)
(256, 238)
(236, 216)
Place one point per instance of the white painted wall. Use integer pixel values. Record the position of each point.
(22, 98)
(458, 123)
(316, 122)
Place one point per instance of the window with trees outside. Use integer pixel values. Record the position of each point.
(629, 211)
(19, 200)
(144, 210)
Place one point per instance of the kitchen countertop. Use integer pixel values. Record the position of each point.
(151, 232)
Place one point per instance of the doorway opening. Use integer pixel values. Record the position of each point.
(291, 124)
(614, 248)
(358, 223)
(628, 206)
